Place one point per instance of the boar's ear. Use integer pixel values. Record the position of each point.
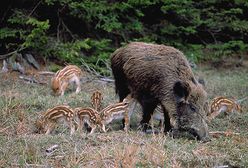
(181, 91)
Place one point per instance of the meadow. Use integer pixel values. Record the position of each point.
(21, 103)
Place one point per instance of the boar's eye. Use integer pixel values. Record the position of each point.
(192, 108)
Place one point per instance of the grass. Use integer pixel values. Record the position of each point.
(22, 103)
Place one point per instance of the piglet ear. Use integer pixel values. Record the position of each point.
(181, 91)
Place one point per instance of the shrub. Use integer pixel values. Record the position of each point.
(89, 31)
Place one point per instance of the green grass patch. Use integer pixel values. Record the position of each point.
(117, 148)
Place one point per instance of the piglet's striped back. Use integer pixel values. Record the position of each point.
(68, 72)
(58, 112)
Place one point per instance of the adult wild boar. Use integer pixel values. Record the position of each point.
(159, 74)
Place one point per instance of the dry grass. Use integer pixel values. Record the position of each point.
(20, 146)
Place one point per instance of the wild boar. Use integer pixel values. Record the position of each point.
(161, 75)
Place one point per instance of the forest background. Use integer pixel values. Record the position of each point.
(87, 32)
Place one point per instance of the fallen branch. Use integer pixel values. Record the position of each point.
(107, 80)
(217, 134)
(46, 73)
(4, 56)
(96, 79)
(31, 80)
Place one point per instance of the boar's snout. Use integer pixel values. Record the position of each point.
(200, 132)
(190, 111)
(202, 136)
(206, 139)
(191, 133)
(192, 123)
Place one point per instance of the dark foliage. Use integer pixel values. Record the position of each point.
(89, 31)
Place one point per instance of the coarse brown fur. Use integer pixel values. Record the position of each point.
(159, 74)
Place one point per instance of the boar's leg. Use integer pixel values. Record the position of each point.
(123, 92)
(121, 86)
(148, 108)
(167, 125)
